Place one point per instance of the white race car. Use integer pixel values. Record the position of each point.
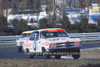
(51, 42)
(23, 37)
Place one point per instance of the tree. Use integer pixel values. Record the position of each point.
(92, 28)
(65, 23)
(98, 25)
(75, 28)
(84, 24)
(98, 22)
(19, 26)
(3, 25)
(85, 27)
(43, 23)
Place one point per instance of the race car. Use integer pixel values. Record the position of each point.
(23, 37)
(51, 42)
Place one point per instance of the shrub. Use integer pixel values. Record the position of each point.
(3, 25)
(43, 23)
(19, 26)
(65, 23)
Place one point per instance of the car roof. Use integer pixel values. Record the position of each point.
(49, 29)
(30, 31)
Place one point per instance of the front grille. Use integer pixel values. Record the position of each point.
(21, 43)
(70, 44)
(67, 44)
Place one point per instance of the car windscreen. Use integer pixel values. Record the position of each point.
(25, 35)
(53, 34)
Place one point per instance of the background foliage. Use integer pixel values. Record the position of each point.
(64, 23)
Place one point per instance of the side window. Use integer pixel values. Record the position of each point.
(32, 36)
(58, 34)
(37, 35)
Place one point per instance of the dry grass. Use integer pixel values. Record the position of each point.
(7, 45)
(90, 42)
(90, 54)
(46, 63)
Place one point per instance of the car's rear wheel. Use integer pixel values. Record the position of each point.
(57, 56)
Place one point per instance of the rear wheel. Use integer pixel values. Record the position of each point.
(57, 56)
(76, 56)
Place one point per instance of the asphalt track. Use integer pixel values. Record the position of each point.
(12, 53)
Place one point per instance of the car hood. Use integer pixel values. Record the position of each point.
(22, 39)
(63, 39)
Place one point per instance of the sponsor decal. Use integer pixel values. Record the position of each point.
(53, 45)
(27, 44)
(45, 43)
(77, 44)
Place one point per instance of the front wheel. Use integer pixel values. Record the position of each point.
(47, 56)
(45, 53)
(76, 56)
(19, 49)
(57, 56)
(31, 55)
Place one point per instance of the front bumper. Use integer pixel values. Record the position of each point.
(65, 49)
(19, 47)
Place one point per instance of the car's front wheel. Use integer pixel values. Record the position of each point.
(45, 53)
(31, 55)
(19, 49)
(57, 56)
(76, 56)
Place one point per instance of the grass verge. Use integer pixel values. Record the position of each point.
(48, 63)
(90, 54)
(7, 45)
(83, 42)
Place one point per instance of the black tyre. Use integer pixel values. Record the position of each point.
(76, 56)
(45, 53)
(31, 55)
(47, 56)
(57, 56)
(20, 49)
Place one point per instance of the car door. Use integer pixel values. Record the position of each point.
(32, 39)
(37, 42)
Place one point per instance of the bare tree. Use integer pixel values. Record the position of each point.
(3, 6)
(86, 3)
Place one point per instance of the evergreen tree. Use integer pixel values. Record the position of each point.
(43, 23)
(19, 26)
(75, 28)
(3, 25)
(65, 23)
(84, 25)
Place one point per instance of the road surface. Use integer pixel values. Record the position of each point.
(12, 53)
